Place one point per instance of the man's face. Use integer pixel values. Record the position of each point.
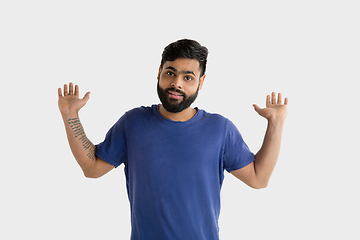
(179, 82)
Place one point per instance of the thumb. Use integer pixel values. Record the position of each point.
(86, 96)
(256, 107)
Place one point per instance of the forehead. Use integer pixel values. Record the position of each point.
(184, 64)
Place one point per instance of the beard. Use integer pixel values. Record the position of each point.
(175, 105)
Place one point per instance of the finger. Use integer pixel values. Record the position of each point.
(60, 92)
(76, 93)
(273, 98)
(86, 96)
(65, 90)
(256, 107)
(71, 88)
(279, 98)
(286, 101)
(268, 102)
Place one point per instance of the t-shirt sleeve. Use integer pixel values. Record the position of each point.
(113, 149)
(236, 153)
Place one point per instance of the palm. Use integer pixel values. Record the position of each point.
(70, 101)
(274, 109)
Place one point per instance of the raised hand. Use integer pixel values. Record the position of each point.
(69, 101)
(275, 110)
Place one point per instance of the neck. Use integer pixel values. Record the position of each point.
(182, 116)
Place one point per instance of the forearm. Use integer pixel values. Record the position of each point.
(266, 158)
(82, 148)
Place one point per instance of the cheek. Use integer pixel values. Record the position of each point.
(162, 84)
(194, 86)
(165, 81)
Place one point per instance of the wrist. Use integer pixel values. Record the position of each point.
(277, 122)
(69, 114)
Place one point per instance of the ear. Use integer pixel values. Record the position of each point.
(158, 77)
(202, 79)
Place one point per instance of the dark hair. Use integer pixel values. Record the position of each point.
(186, 48)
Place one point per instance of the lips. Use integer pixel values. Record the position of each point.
(175, 95)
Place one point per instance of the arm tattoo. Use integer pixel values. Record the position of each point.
(76, 126)
(78, 131)
(91, 153)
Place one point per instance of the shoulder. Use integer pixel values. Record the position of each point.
(221, 122)
(139, 112)
(136, 116)
(216, 122)
(214, 118)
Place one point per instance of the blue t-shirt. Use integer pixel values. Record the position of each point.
(174, 170)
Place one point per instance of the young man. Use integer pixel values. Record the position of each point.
(175, 155)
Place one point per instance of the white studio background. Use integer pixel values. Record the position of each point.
(308, 50)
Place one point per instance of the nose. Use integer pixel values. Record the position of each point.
(177, 83)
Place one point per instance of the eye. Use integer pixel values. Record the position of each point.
(170, 73)
(188, 78)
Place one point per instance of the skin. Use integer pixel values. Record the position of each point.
(258, 173)
(183, 74)
(82, 148)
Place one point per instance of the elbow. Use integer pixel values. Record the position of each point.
(260, 182)
(91, 174)
(259, 185)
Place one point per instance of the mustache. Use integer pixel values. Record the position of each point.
(175, 90)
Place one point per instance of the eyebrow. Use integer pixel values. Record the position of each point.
(183, 72)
